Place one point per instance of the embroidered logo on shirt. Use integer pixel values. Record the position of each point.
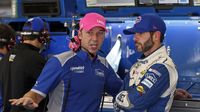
(140, 89)
(12, 57)
(151, 77)
(149, 80)
(155, 71)
(99, 72)
(78, 69)
(147, 83)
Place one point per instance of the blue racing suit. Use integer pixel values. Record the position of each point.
(150, 84)
(76, 83)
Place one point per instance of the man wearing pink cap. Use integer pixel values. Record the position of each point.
(75, 81)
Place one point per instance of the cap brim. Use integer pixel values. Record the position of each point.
(129, 31)
(89, 27)
(134, 30)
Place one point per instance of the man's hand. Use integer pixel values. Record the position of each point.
(27, 102)
(181, 94)
(123, 101)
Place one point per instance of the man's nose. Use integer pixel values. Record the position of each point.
(94, 36)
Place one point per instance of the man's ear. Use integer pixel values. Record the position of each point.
(79, 34)
(157, 35)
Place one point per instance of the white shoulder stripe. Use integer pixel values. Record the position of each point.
(65, 56)
(103, 61)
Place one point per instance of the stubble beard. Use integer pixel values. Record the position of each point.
(144, 47)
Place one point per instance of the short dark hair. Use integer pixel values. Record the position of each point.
(161, 37)
(7, 33)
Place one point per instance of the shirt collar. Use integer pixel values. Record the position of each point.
(29, 46)
(159, 52)
(84, 55)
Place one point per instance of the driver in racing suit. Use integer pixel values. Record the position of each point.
(152, 80)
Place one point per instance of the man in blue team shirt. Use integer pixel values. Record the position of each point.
(7, 38)
(152, 80)
(75, 81)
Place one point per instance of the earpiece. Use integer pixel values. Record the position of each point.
(75, 44)
(44, 33)
(10, 44)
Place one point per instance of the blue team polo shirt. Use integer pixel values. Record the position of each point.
(75, 83)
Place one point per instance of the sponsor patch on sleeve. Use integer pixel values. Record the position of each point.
(151, 77)
(155, 72)
(147, 83)
(140, 89)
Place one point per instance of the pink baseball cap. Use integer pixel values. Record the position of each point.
(92, 20)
